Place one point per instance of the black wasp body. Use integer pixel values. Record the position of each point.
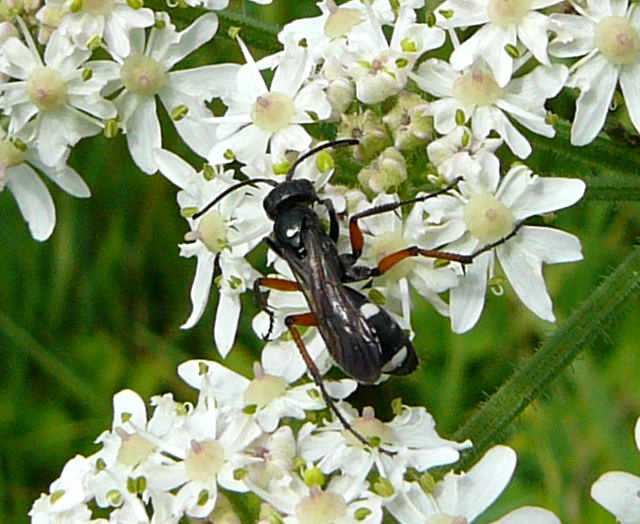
(363, 339)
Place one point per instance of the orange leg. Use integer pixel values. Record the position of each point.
(387, 262)
(309, 319)
(279, 284)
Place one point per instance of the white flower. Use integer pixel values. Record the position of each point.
(411, 436)
(269, 396)
(326, 34)
(147, 72)
(505, 24)
(463, 497)
(67, 494)
(260, 117)
(607, 33)
(617, 491)
(379, 68)
(489, 209)
(111, 20)
(345, 500)
(460, 152)
(19, 167)
(221, 237)
(58, 95)
(388, 233)
(199, 456)
(476, 96)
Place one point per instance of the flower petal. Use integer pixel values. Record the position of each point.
(34, 201)
(617, 492)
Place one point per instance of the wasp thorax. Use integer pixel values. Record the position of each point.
(204, 460)
(320, 507)
(487, 218)
(143, 75)
(47, 89)
(476, 87)
(507, 12)
(617, 40)
(341, 21)
(273, 112)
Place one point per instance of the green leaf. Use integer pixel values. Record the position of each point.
(582, 329)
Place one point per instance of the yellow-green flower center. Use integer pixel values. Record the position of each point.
(10, 155)
(143, 75)
(320, 507)
(97, 7)
(46, 89)
(476, 87)
(340, 22)
(617, 40)
(204, 460)
(487, 218)
(133, 450)
(507, 12)
(264, 389)
(446, 519)
(370, 427)
(213, 231)
(273, 112)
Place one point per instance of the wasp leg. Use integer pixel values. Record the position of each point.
(334, 227)
(355, 233)
(387, 262)
(309, 319)
(279, 284)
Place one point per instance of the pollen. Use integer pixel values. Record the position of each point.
(47, 89)
(320, 507)
(143, 75)
(617, 40)
(273, 112)
(477, 87)
(204, 460)
(487, 218)
(507, 12)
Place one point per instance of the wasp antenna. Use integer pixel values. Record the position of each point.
(231, 189)
(334, 143)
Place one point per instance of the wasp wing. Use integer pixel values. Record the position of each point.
(362, 338)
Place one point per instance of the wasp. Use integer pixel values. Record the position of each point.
(363, 339)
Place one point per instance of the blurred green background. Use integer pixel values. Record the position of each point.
(97, 308)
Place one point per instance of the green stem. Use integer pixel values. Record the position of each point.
(49, 362)
(255, 33)
(613, 188)
(581, 330)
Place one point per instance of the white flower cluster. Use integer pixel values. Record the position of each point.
(191, 461)
(365, 69)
